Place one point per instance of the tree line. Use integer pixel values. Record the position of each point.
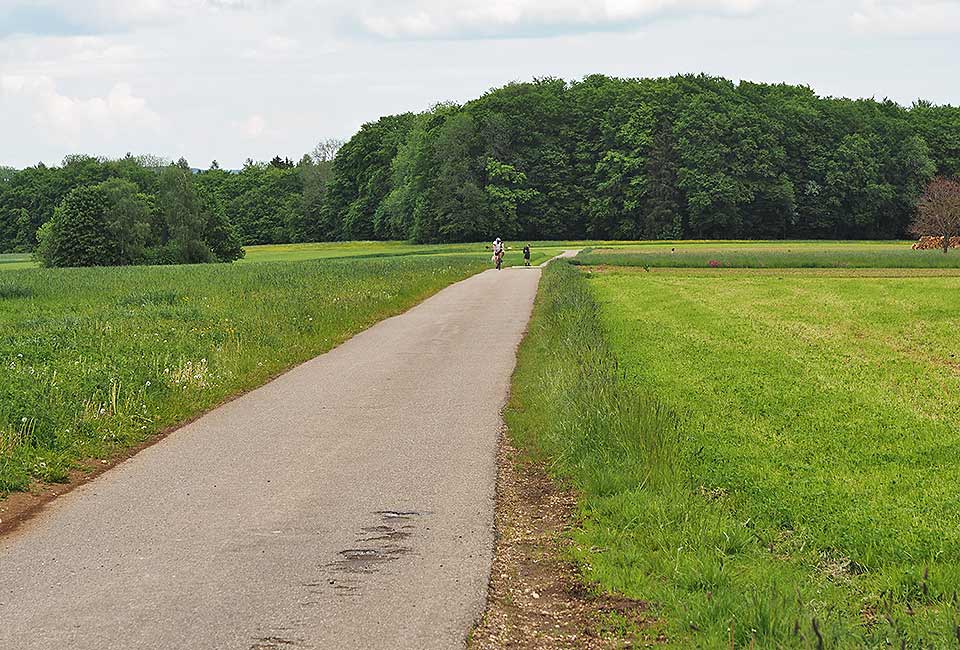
(601, 158)
(114, 223)
(147, 210)
(680, 157)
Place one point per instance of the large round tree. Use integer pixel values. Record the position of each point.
(79, 233)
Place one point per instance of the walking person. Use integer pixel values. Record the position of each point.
(526, 255)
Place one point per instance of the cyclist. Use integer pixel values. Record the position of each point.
(498, 251)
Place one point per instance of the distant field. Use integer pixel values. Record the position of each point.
(373, 249)
(770, 255)
(332, 250)
(760, 454)
(95, 360)
(341, 250)
(10, 261)
(690, 254)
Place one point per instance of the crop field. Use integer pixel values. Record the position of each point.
(771, 255)
(95, 360)
(768, 457)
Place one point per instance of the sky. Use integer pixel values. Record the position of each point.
(237, 79)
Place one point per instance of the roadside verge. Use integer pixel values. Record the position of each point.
(538, 597)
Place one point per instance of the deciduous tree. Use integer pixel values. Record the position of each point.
(938, 211)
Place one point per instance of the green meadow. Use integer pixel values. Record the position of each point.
(540, 250)
(354, 250)
(768, 457)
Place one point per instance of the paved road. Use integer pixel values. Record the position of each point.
(347, 504)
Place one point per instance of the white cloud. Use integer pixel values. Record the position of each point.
(907, 17)
(233, 79)
(428, 19)
(274, 46)
(252, 127)
(49, 108)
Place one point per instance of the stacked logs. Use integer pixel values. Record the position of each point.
(933, 243)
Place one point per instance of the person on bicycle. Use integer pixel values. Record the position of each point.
(498, 251)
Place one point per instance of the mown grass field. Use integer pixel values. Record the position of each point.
(768, 457)
(795, 254)
(95, 360)
(11, 261)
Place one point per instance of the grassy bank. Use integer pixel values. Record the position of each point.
(95, 360)
(761, 458)
(772, 255)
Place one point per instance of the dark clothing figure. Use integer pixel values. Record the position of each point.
(526, 255)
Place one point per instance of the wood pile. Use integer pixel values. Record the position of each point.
(933, 243)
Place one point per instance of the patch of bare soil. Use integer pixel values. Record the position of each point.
(537, 598)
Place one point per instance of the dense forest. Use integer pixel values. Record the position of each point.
(679, 157)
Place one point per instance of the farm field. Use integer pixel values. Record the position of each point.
(767, 455)
(793, 254)
(96, 360)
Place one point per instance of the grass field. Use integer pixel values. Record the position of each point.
(348, 250)
(769, 456)
(794, 254)
(11, 261)
(95, 360)
(356, 250)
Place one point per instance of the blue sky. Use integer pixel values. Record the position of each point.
(231, 79)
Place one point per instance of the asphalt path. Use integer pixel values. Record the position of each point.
(347, 504)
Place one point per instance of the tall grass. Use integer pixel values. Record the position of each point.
(95, 360)
(655, 528)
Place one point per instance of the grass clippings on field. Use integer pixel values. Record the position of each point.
(537, 598)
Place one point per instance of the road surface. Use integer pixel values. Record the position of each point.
(347, 504)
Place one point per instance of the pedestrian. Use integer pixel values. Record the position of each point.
(526, 255)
